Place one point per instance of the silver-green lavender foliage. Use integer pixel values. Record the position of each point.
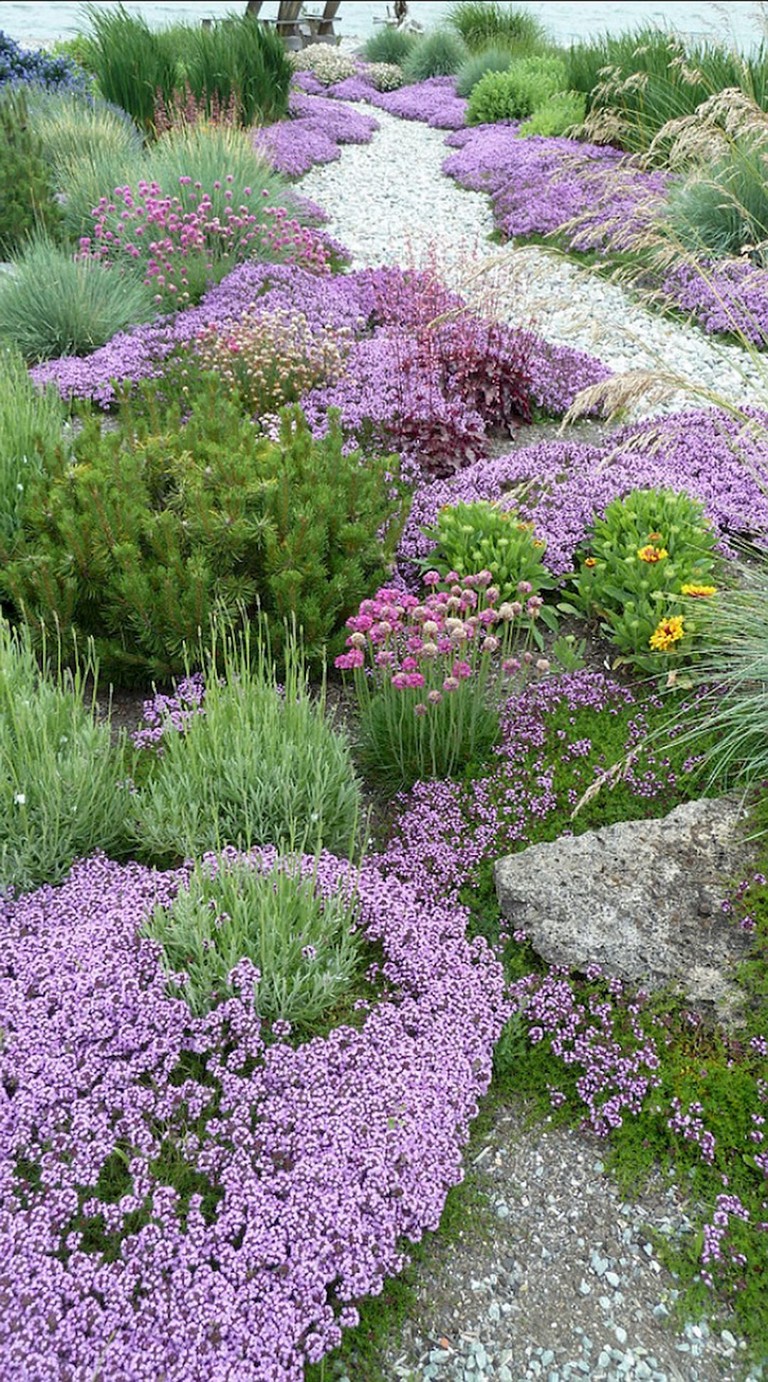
(304, 945)
(63, 793)
(262, 765)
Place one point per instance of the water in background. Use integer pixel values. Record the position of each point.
(737, 22)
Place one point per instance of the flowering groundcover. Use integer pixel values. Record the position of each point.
(193, 1198)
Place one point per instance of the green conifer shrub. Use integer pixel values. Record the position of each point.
(516, 93)
(27, 202)
(157, 526)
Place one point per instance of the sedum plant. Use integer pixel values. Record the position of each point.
(257, 762)
(647, 564)
(482, 536)
(327, 64)
(303, 945)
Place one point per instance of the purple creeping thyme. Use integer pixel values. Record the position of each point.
(618, 1068)
(444, 830)
(538, 185)
(319, 1161)
(560, 486)
(730, 296)
(316, 128)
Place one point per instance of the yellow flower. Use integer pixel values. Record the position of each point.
(667, 633)
(591, 561)
(651, 553)
(699, 591)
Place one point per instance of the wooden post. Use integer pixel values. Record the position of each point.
(252, 9)
(325, 25)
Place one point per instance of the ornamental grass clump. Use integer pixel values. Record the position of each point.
(389, 45)
(304, 947)
(648, 560)
(257, 762)
(56, 304)
(427, 674)
(491, 59)
(482, 22)
(436, 54)
(63, 792)
(31, 428)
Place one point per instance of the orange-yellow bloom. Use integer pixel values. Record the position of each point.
(590, 561)
(651, 553)
(699, 591)
(667, 633)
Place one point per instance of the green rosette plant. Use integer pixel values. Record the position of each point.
(646, 564)
(429, 674)
(482, 536)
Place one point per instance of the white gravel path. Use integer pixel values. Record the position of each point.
(390, 204)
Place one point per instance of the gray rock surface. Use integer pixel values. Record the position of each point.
(642, 899)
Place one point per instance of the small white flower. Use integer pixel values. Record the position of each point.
(19, 799)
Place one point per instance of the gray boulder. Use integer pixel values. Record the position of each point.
(641, 899)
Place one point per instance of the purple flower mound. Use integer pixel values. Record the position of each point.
(538, 185)
(333, 300)
(561, 486)
(316, 128)
(308, 1166)
(434, 102)
(729, 297)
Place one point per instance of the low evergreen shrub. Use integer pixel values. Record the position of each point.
(515, 94)
(27, 203)
(164, 521)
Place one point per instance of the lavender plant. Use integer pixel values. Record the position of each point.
(63, 791)
(304, 947)
(259, 765)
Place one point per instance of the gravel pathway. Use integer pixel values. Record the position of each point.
(389, 203)
(555, 1276)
